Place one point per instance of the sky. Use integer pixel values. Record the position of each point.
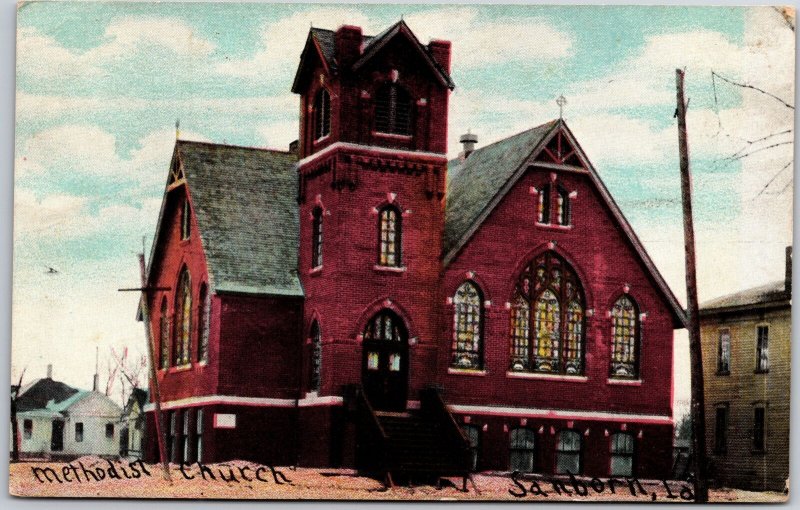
(100, 86)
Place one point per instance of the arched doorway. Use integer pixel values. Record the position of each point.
(384, 366)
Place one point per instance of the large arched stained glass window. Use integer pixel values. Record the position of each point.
(467, 327)
(183, 319)
(547, 318)
(164, 334)
(625, 338)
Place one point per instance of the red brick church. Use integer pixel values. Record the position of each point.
(361, 300)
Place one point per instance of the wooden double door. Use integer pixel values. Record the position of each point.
(384, 366)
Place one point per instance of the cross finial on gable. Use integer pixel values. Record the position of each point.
(561, 101)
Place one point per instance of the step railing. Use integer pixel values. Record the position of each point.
(372, 443)
(433, 407)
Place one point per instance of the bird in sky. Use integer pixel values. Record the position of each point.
(52, 270)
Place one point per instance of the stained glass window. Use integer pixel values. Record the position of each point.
(390, 234)
(316, 356)
(204, 323)
(552, 340)
(467, 327)
(183, 319)
(543, 208)
(164, 334)
(393, 110)
(625, 335)
(316, 238)
(563, 213)
(322, 114)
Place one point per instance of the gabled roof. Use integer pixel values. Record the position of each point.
(479, 183)
(244, 200)
(374, 45)
(64, 405)
(323, 42)
(39, 393)
(768, 295)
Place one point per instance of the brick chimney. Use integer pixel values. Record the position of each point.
(348, 45)
(788, 277)
(440, 50)
(49, 371)
(468, 141)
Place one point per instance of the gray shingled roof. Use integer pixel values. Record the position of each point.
(245, 203)
(325, 39)
(474, 182)
(770, 293)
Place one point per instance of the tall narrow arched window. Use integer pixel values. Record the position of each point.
(204, 323)
(163, 335)
(543, 205)
(322, 114)
(563, 213)
(390, 236)
(316, 357)
(186, 220)
(316, 238)
(625, 338)
(547, 318)
(393, 110)
(467, 327)
(183, 319)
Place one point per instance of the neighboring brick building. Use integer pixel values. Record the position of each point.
(365, 267)
(746, 340)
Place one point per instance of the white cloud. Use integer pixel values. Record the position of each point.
(477, 42)
(76, 148)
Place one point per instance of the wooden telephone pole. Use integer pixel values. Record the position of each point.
(693, 309)
(156, 394)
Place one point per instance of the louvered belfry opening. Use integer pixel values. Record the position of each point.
(322, 114)
(393, 110)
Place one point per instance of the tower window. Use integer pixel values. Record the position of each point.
(393, 110)
(322, 114)
(316, 238)
(390, 237)
(186, 220)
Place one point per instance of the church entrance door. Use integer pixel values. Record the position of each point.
(384, 367)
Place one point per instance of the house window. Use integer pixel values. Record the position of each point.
(759, 434)
(322, 114)
(164, 334)
(183, 322)
(186, 444)
(522, 456)
(27, 429)
(543, 207)
(473, 435)
(625, 338)
(467, 327)
(568, 452)
(316, 238)
(393, 110)
(79, 432)
(721, 430)
(762, 349)
(199, 435)
(204, 323)
(724, 352)
(563, 212)
(109, 431)
(390, 237)
(621, 454)
(316, 356)
(553, 341)
(186, 220)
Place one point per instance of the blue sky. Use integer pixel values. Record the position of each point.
(100, 85)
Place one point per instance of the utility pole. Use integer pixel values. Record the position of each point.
(693, 310)
(144, 307)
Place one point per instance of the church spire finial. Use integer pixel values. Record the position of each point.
(561, 101)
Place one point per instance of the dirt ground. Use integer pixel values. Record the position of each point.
(245, 480)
